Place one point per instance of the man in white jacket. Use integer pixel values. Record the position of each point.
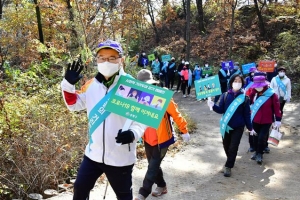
(281, 85)
(110, 150)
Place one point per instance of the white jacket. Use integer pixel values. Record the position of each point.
(287, 82)
(103, 148)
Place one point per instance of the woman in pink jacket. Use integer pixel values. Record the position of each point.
(184, 77)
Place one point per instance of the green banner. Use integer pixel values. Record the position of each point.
(166, 57)
(139, 101)
(151, 57)
(207, 87)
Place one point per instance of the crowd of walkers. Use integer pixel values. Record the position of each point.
(255, 102)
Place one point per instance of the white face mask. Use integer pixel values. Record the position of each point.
(182, 62)
(259, 89)
(206, 65)
(281, 74)
(108, 69)
(236, 86)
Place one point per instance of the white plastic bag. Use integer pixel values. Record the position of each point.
(275, 136)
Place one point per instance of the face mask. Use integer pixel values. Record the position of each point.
(281, 74)
(108, 69)
(259, 89)
(206, 65)
(236, 86)
(182, 62)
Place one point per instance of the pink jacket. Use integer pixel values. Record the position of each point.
(185, 73)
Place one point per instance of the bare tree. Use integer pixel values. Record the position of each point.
(188, 24)
(233, 7)
(260, 18)
(200, 16)
(151, 15)
(39, 21)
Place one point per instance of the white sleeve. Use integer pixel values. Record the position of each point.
(138, 130)
(80, 98)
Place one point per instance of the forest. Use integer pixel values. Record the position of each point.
(41, 142)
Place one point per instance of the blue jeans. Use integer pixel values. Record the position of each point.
(119, 178)
(154, 173)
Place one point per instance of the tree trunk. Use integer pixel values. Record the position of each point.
(39, 21)
(74, 34)
(150, 13)
(233, 6)
(188, 23)
(1, 8)
(200, 16)
(260, 20)
(165, 2)
(184, 11)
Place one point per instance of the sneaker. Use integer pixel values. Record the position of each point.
(159, 191)
(140, 197)
(267, 150)
(253, 157)
(259, 158)
(184, 96)
(178, 91)
(250, 149)
(227, 172)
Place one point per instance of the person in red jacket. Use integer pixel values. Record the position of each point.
(157, 141)
(264, 110)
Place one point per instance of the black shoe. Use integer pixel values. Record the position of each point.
(253, 157)
(250, 149)
(259, 158)
(227, 172)
(267, 150)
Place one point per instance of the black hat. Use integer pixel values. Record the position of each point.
(281, 68)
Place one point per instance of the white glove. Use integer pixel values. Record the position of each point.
(278, 124)
(210, 103)
(160, 74)
(186, 137)
(252, 132)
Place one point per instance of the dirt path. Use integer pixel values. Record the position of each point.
(194, 172)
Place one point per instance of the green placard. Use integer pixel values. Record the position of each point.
(207, 87)
(151, 57)
(207, 70)
(166, 57)
(139, 101)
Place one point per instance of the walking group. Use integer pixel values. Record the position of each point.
(111, 149)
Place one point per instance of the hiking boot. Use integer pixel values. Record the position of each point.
(140, 197)
(250, 149)
(259, 158)
(159, 191)
(253, 157)
(267, 150)
(227, 172)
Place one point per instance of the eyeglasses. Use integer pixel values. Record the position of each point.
(110, 59)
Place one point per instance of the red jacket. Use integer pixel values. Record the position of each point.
(265, 114)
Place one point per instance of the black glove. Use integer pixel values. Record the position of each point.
(73, 71)
(125, 137)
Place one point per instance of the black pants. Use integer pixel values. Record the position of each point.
(231, 142)
(171, 77)
(119, 178)
(281, 106)
(154, 172)
(179, 82)
(184, 85)
(260, 141)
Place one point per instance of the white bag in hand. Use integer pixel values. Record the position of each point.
(275, 136)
